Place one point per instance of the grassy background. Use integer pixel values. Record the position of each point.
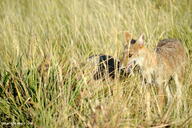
(43, 44)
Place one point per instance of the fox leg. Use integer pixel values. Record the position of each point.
(178, 82)
(161, 93)
(147, 102)
(161, 99)
(169, 95)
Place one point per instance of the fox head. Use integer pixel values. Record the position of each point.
(133, 49)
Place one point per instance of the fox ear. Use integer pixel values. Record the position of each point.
(128, 36)
(141, 40)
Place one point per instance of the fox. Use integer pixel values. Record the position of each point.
(168, 60)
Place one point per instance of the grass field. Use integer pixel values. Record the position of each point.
(43, 44)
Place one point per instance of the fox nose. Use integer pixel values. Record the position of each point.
(130, 55)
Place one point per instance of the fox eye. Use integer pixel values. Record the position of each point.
(133, 41)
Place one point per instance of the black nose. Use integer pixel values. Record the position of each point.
(130, 55)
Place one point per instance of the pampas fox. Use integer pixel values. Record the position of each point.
(167, 61)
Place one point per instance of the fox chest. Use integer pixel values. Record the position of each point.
(148, 76)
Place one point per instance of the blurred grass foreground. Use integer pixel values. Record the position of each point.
(43, 44)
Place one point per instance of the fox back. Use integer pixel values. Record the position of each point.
(171, 56)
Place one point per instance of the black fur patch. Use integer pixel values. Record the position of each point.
(108, 66)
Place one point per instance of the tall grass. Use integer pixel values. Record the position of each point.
(43, 44)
